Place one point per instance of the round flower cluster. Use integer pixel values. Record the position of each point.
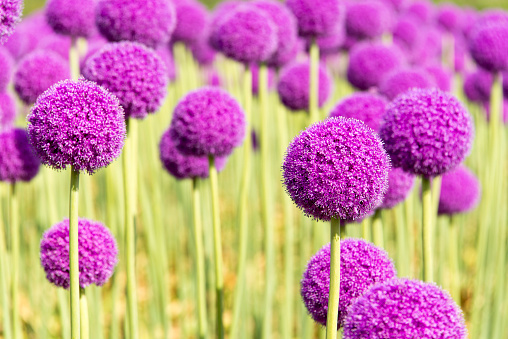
(488, 44)
(71, 17)
(440, 76)
(449, 17)
(401, 80)
(17, 159)
(367, 19)
(400, 184)
(367, 107)
(7, 110)
(191, 21)
(11, 14)
(460, 191)
(315, 20)
(6, 68)
(477, 85)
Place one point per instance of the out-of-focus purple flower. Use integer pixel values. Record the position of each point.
(97, 253)
(213, 78)
(7, 110)
(370, 62)
(208, 121)
(164, 52)
(255, 78)
(488, 45)
(367, 107)
(17, 158)
(401, 80)
(336, 168)
(132, 72)
(330, 44)
(36, 72)
(77, 123)
(427, 132)
(222, 9)
(400, 184)
(6, 68)
(402, 308)
(460, 53)
(71, 17)
(191, 21)
(440, 76)
(397, 5)
(368, 19)
(477, 85)
(150, 22)
(423, 10)
(486, 106)
(362, 265)
(293, 86)
(202, 51)
(317, 19)
(428, 49)
(407, 34)
(59, 44)
(10, 13)
(449, 17)
(460, 191)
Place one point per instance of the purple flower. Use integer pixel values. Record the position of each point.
(329, 44)
(6, 69)
(223, 9)
(367, 19)
(367, 107)
(150, 22)
(77, 123)
(370, 62)
(427, 132)
(460, 191)
(440, 76)
(132, 72)
(428, 47)
(449, 17)
(208, 121)
(36, 72)
(423, 10)
(486, 106)
(10, 13)
(7, 110)
(407, 34)
(17, 158)
(184, 166)
(255, 78)
(293, 86)
(405, 309)
(488, 45)
(361, 265)
(336, 168)
(401, 80)
(400, 184)
(202, 51)
(97, 253)
(477, 85)
(60, 44)
(71, 17)
(317, 19)
(191, 21)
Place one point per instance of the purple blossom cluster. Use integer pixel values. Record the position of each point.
(191, 21)
(400, 184)
(368, 19)
(460, 191)
(10, 16)
(18, 161)
(6, 68)
(316, 21)
(367, 107)
(7, 110)
(401, 80)
(70, 17)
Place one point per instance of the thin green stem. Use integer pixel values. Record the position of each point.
(377, 229)
(217, 247)
(453, 257)
(366, 229)
(4, 275)
(427, 230)
(14, 221)
(83, 308)
(334, 294)
(74, 59)
(496, 107)
(74, 253)
(314, 82)
(401, 237)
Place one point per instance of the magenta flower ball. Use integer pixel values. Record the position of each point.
(222, 9)
(367, 107)
(98, 253)
(401, 80)
(336, 168)
(449, 17)
(132, 72)
(330, 44)
(368, 19)
(36, 72)
(400, 184)
(427, 132)
(477, 85)
(18, 161)
(77, 123)
(150, 22)
(60, 44)
(402, 308)
(6, 69)
(423, 10)
(208, 121)
(488, 45)
(460, 191)
(293, 86)
(71, 17)
(362, 265)
(7, 110)
(370, 62)
(202, 51)
(317, 19)
(10, 11)
(441, 77)
(428, 48)
(191, 21)
(407, 34)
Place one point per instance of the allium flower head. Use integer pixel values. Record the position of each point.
(428, 46)
(208, 121)
(97, 253)
(407, 34)
(449, 17)
(293, 86)
(336, 168)
(60, 44)
(367, 19)
(401, 80)
(6, 68)
(427, 132)
(477, 85)
(440, 76)
(423, 10)
(17, 158)
(77, 123)
(150, 22)
(184, 166)
(330, 44)
(460, 191)
(132, 72)
(317, 19)
(405, 309)
(71, 17)
(191, 21)
(367, 107)
(400, 184)
(370, 62)
(361, 265)
(222, 9)
(202, 51)
(7, 110)
(10, 15)
(488, 45)
(36, 72)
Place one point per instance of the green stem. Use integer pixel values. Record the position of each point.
(427, 230)
(83, 308)
(496, 107)
(4, 275)
(74, 253)
(334, 294)
(314, 82)
(401, 237)
(217, 247)
(74, 59)
(453, 257)
(14, 221)
(366, 229)
(377, 228)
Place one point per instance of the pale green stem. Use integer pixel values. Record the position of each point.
(83, 308)
(74, 253)
(496, 107)
(14, 221)
(401, 238)
(377, 229)
(314, 82)
(74, 59)
(453, 255)
(5, 277)
(366, 229)
(334, 294)
(427, 230)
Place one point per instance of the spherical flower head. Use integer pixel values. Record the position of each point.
(367, 107)
(222, 9)
(150, 22)
(70, 17)
(10, 14)
(316, 19)
(488, 45)
(77, 123)
(7, 110)
(293, 86)
(17, 158)
(449, 17)
(97, 249)
(407, 34)
(208, 122)
(402, 308)
(370, 62)
(6, 68)
(60, 44)
(255, 79)
(36, 72)
(400, 184)
(202, 51)
(361, 265)
(439, 76)
(132, 72)
(428, 46)
(184, 166)
(336, 168)
(191, 21)
(477, 85)
(368, 19)
(423, 10)
(460, 191)
(401, 80)
(246, 34)
(427, 132)
(329, 44)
